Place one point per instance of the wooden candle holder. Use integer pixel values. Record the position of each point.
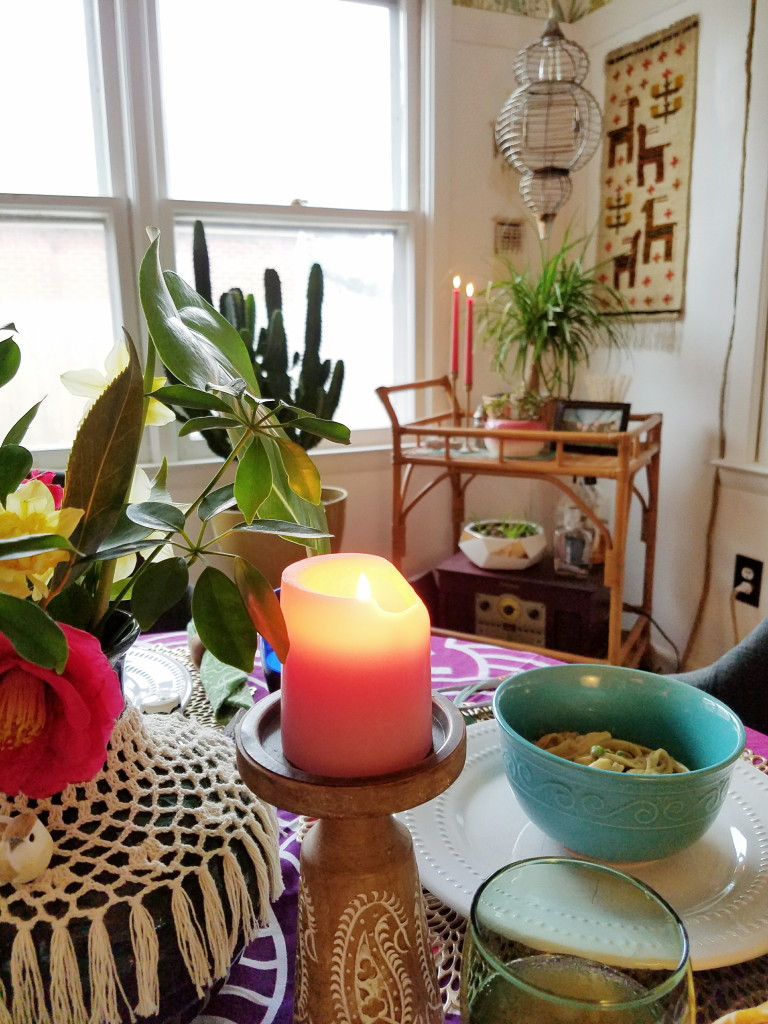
(362, 949)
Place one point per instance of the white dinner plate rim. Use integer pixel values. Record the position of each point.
(149, 660)
(445, 872)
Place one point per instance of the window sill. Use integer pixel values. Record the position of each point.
(743, 476)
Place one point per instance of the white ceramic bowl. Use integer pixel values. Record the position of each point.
(502, 552)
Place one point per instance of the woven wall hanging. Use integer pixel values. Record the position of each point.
(648, 116)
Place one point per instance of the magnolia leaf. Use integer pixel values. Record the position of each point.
(216, 501)
(10, 360)
(104, 454)
(34, 635)
(158, 587)
(157, 516)
(253, 479)
(221, 620)
(190, 398)
(32, 544)
(202, 423)
(16, 434)
(263, 606)
(15, 464)
(303, 476)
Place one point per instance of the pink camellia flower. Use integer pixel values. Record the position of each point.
(54, 728)
(57, 491)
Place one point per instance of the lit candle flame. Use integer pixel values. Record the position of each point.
(470, 290)
(456, 282)
(363, 588)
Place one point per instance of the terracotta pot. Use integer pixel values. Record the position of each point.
(271, 554)
(514, 448)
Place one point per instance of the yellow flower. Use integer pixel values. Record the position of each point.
(31, 510)
(90, 384)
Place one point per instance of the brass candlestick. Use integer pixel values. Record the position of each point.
(454, 375)
(467, 447)
(362, 946)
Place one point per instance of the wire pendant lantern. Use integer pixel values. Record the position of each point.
(551, 125)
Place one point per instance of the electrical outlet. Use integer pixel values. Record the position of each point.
(748, 570)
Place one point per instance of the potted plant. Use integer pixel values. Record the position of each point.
(63, 554)
(292, 381)
(521, 409)
(544, 326)
(506, 543)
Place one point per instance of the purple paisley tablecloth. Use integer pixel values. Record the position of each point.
(259, 989)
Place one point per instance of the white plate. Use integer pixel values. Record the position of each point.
(153, 680)
(719, 886)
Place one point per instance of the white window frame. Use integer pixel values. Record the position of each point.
(123, 34)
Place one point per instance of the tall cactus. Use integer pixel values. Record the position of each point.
(317, 388)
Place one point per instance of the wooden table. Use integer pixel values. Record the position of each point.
(260, 986)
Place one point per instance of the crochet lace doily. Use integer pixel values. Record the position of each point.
(166, 838)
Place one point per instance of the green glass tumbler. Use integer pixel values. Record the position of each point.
(555, 940)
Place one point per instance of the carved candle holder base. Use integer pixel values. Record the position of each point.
(362, 949)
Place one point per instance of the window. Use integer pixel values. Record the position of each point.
(283, 125)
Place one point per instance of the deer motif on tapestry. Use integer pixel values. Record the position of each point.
(649, 155)
(626, 262)
(624, 135)
(662, 232)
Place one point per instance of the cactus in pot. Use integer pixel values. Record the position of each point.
(316, 388)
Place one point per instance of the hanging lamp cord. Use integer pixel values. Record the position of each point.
(716, 481)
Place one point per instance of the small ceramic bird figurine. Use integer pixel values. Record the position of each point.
(26, 848)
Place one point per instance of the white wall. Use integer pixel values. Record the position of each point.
(473, 76)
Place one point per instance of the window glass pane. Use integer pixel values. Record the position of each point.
(54, 287)
(272, 102)
(358, 268)
(48, 134)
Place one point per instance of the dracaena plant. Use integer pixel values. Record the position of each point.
(63, 554)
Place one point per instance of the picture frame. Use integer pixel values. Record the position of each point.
(591, 417)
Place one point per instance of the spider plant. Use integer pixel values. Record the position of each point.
(545, 326)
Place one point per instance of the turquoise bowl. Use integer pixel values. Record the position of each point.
(614, 816)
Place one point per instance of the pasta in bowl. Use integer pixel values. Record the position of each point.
(616, 815)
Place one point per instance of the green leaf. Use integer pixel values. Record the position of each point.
(16, 434)
(15, 464)
(221, 620)
(156, 516)
(158, 587)
(159, 487)
(35, 636)
(33, 544)
(190, 398)
(202, 423)
(331, 430)
(253, 479)
(104, 454)
(202, 319)
(10, 360)
(263, 606)
(195, 343)
(220, 500)
(303, 476)
(281, 528)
